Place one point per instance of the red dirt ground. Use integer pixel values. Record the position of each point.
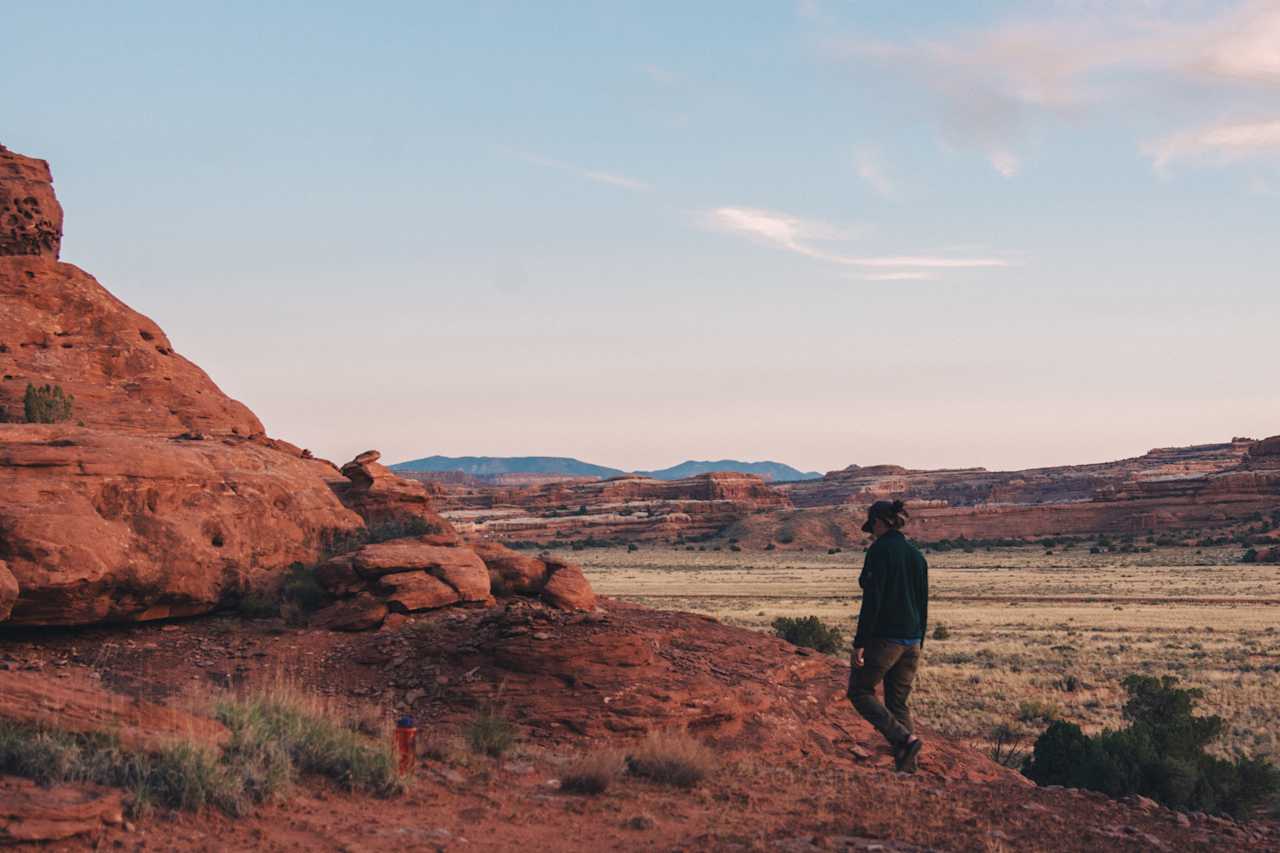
(797, 769)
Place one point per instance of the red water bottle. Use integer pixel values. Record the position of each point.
(406, 743)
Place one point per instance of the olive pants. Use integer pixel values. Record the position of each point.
(895, 665)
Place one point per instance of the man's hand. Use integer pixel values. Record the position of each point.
(857, 660)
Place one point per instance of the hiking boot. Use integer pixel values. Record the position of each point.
(905, 756)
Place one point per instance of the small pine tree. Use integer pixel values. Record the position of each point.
(808, 631)
(1159, 755)
(47, 405)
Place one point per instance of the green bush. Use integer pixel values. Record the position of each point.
(301, 588)
(810, 632)
(941, 632)
(490, 733)
(1159, 755)
(47, 405)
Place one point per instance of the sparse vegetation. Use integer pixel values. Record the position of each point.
(1021, 626)
(47, 404)
(490, 733)
(810, 632)
(276, 736)
(1038, 710)
(941, 632)
(671, 758)
(593, 773)
(1160, 755)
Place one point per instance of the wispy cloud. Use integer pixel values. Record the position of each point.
(996, 82)
(1221, 142)
(871, 169)
(902, 275)
(805, 236)
(599, 176)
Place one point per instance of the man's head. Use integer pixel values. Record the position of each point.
(883, 516)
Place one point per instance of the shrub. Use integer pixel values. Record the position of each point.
(1068, 684)
(490, 733)
(786, 537)
(810, 632)
(1159, 755)
(276, 732)
(592, 774)
(941, 632)
(255, 605)
(631, 546)
(671, 758)
(1031, 710)
(1006, 747)
(301, 587)
(47, 405)
(770, 547)
(1250, 556)
(398, 529)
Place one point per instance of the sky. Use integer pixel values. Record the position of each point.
(935, 234)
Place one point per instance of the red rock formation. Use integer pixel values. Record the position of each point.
(30, 216)
(99, 525)
(630, 508)
(160, 496)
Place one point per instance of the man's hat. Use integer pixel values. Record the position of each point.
(886, 510)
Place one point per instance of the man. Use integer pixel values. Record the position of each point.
(891, 625)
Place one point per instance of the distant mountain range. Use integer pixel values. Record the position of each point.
(480, 466)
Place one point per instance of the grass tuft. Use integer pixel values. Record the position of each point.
(490, 733)
(671, 758)
(276, 736)
(593, 773)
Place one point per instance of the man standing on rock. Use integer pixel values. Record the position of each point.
(890, 636)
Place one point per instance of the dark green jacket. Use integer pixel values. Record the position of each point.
(895, 592)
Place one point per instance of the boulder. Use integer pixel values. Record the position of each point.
(459, 567)
(30, 813)
(355, 614)
(124, 526)
(391, 506)
(568, 588)
(511, 571)
(339, 576)
(409, 591)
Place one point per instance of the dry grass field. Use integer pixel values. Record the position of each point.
(1031, 635)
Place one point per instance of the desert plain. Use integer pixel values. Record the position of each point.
(1027, 635)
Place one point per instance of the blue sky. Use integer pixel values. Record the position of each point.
(935, 234)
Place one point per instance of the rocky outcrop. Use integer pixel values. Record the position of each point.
(390, 505)
(30, 216)
(158, 496)
(99, 525)
(58, 326)
(413, 574)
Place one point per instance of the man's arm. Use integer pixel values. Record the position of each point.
(924, 602)
(871, 581)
